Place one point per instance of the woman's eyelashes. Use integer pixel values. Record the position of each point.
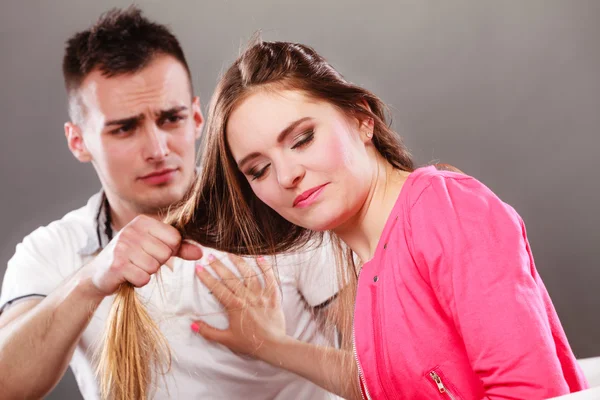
(304, 139)
(257, 174)
(301, 141)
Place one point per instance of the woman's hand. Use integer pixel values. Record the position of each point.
(256, 319)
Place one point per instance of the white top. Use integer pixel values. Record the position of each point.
(200, 369)
(588, 394)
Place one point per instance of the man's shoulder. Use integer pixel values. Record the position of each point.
(72, 230)
(46, 256)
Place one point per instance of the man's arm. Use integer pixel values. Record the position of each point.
(37, 338)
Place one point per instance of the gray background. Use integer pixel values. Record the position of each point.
(508, 91)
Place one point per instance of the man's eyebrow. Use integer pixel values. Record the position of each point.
(125, 121)
(171, 111)
(138, 118)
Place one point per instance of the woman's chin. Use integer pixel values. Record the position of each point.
(322, 224)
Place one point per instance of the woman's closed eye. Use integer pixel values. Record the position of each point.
(257, 173)
(301, 141)
(304, 139)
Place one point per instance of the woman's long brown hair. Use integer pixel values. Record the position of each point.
(134, 352)
(221, 211)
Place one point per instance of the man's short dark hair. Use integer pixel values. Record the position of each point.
(122, 41)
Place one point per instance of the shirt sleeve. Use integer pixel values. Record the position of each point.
(477, 255)
(316, 273)
(37, 267)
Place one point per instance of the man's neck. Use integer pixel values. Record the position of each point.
(121, 212)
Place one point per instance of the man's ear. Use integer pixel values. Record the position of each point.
(75, 142)
(197, 115)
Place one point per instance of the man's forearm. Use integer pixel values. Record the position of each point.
(36, 348)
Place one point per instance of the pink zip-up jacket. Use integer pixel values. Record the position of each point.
(451, 305)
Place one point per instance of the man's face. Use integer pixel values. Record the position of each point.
(139, 132)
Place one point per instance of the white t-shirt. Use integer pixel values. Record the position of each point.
(200, 369)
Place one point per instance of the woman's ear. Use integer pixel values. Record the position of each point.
(366, 123)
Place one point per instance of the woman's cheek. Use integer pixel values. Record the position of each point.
(267, 195)
(334, 154)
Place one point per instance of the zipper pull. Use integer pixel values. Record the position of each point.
(438, 381)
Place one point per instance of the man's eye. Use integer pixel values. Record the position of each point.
(123, 129)
(171, 119)
(174, 118)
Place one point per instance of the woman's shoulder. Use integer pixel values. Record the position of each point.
(447, 189)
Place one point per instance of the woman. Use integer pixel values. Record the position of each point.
(448, 300)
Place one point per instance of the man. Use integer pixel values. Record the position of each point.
(133, 116)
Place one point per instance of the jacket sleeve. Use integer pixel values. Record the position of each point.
(475, 250)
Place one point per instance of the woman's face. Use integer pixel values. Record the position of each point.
(304, 158)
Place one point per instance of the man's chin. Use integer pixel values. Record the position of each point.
(156, 203)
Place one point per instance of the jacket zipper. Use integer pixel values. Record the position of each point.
(360, 374)
(440, 385)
